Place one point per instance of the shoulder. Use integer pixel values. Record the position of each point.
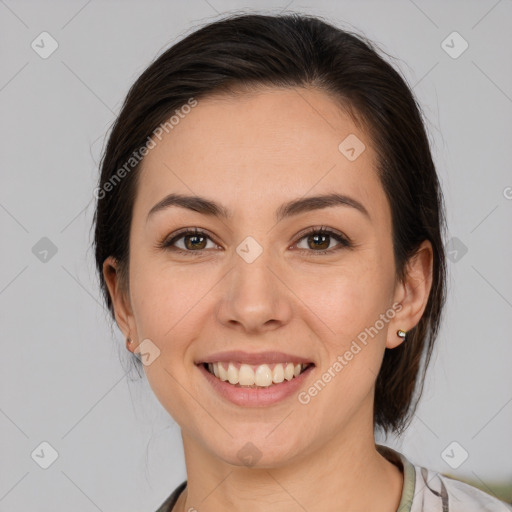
(426, 490)
(437, 492)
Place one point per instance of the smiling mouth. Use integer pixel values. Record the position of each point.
(255, 376)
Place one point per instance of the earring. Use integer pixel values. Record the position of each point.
(401, 333)
(128, 340)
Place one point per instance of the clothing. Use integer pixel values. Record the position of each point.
(167, 505)
(424, 490)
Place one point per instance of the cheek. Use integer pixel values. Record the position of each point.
(162, 300)
(346, 299)
(163, 305)
(343, 308)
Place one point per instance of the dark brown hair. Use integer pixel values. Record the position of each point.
(246, 51)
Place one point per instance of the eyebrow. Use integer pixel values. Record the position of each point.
(209, 207)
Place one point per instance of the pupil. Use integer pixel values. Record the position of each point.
(315, 237)
(195, 237)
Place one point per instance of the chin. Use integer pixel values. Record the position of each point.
(256, 451)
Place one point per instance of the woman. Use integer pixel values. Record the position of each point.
(269, 239)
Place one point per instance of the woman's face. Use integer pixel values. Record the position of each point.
(256, 281)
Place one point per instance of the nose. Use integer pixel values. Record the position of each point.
(254, 297)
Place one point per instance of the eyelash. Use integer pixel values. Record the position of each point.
(167, 243)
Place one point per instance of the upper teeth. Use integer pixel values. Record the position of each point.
(262, 375)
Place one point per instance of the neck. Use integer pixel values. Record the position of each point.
(345, 473)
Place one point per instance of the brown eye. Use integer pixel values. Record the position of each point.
(194, 241)
(187, 241)
(319, 241)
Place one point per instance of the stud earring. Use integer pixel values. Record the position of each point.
(401, 333)
(128, 340)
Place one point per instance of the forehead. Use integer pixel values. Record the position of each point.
(256, 148)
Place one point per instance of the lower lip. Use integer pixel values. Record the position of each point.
(256, 397)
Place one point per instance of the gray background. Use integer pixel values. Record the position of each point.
(62, 380)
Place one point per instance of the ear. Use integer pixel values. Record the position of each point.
(120, 301)
(412, 293)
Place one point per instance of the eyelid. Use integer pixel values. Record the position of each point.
(169, 241)
(343, 240)
(321, 229)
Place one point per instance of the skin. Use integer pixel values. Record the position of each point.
(251, 153)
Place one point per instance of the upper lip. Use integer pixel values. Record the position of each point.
(255, 358)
